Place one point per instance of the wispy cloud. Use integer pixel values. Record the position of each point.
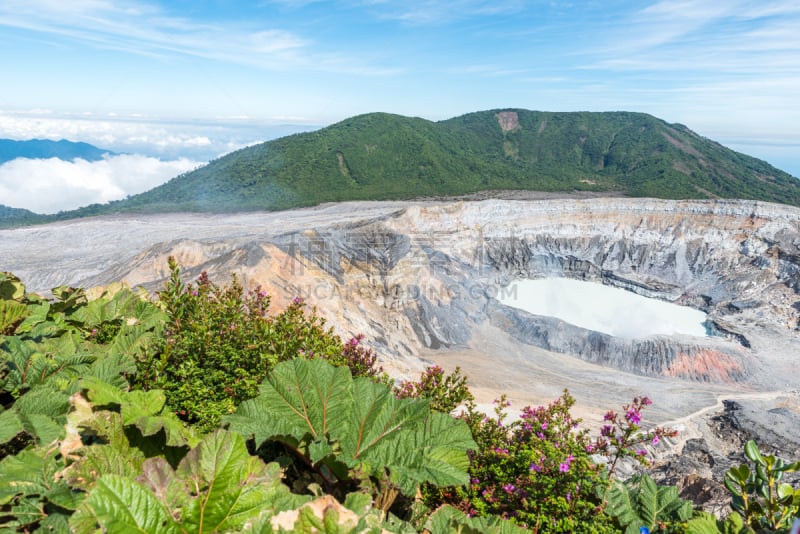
(52, 185)
(146, 29)
(705, 36)
(433, 12)
(198, 140)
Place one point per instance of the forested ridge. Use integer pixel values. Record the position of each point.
(380, 156)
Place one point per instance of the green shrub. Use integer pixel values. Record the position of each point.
(759, 496)
(445, 392)
(220, 343)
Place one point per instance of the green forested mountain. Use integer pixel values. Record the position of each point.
(18, 215)
(384, 156)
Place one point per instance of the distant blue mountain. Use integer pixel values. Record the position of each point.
(44, 148)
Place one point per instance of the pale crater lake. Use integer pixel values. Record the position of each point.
(602, 308)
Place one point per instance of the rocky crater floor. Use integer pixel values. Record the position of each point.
(421, 281)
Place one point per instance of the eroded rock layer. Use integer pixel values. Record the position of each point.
(416, 276)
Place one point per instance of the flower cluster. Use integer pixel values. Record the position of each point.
(533, 470)
(621, 435)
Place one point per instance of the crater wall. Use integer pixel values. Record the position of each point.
(423, 276)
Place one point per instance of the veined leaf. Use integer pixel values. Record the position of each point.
(41, 412)
(38, 313)
(29, 481)
(143, 409)
(12, 314)
(122, 505)
(311, 401)
(130, 340)
(640, 502)
(232, 487)
(10, 425)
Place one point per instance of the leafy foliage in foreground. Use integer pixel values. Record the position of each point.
(641, 502)
(759, 495)
(83, 451)
(51, 346)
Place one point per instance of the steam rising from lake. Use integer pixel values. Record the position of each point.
(603, 308)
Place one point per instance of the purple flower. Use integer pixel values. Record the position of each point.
(633, 416)
(509, 488)
(563, 467)
(655, 439)
(536, 467)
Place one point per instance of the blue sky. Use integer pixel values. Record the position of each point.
(195, 79)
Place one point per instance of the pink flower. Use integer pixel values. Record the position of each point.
(655, 439)
(563, 467)
(633, 416)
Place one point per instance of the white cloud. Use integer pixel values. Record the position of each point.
(52, 185)
(198, 140)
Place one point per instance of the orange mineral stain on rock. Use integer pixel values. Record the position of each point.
(706, 365)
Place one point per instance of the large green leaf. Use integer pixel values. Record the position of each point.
(449, 519)
(359, 422)
(122, 505)
(29, 481)
(12, 313)
(53, 361)
(217, 487)
(297, 399)
(232, 486)
(10, 425)
(11, 288)
(641, 502)
(41, 412)
(143, 409)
